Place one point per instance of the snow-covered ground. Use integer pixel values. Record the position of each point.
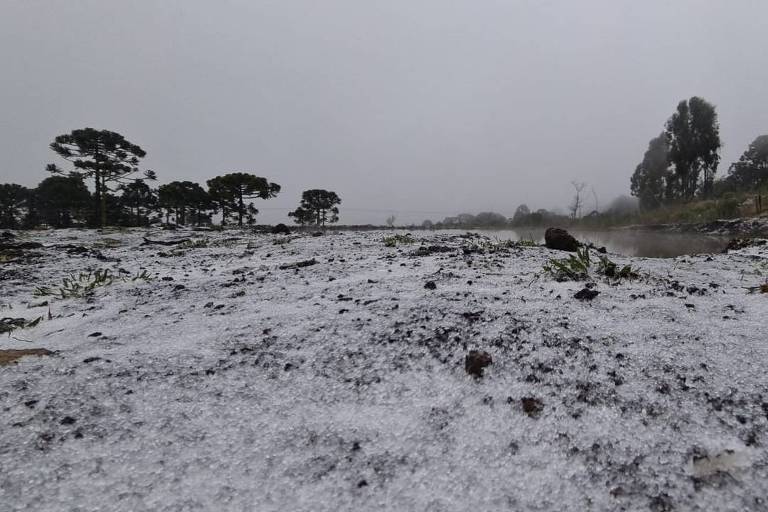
(229, 383)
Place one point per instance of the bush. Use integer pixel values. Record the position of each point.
(728, 206)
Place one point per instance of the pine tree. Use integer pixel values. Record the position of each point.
(104, 156)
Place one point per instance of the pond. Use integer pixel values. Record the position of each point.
(647, 244)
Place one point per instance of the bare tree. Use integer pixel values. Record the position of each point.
(578, 202)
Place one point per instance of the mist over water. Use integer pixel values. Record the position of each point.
(629, 242)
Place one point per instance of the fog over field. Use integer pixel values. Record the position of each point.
(413, 255)
(421, 109)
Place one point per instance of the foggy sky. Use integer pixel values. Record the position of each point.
(412, 107)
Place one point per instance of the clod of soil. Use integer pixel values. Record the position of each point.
(586, 294)
(476, 361)
(560, 239)
(532, 406)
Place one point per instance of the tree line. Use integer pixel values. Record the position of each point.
(122, 195)
(619, 208)
(681, 162)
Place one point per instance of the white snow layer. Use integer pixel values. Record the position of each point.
(341, 385)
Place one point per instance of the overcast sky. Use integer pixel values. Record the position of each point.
(412, 107)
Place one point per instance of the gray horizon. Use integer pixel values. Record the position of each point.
(421, 109)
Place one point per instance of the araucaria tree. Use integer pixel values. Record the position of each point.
(13, 198)
(232, 194)
(104, 156)
(137, 195)
(61, 200)
(649, 181)
(317, 207)
(693, 134)
(183, 198)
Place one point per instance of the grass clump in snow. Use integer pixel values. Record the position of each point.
(84, 284)
(10, 324)
(761, 269)
(576, 267)
(395, 240)
(527, 242)
(200, 243)
(490, 246)
(573, 268)
(609, 269)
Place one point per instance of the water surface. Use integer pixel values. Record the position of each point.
(648, 244)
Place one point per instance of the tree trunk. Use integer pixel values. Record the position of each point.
(97, 203)
(240, 207)
(103, 203)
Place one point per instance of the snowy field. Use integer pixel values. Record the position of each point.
(235, 380)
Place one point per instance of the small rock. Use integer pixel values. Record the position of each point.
(586, 294)
(430, 285)
(476, 361)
